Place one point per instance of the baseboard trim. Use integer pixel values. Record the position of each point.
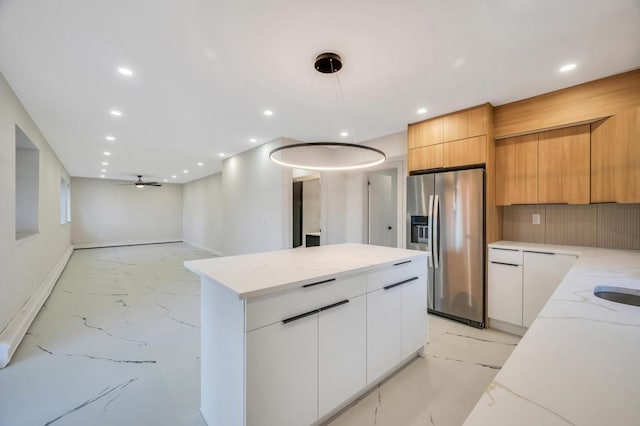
(506, 327)
(123, 243)
(13, 334)
(212, 251)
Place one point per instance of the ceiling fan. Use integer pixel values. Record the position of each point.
(140, 184)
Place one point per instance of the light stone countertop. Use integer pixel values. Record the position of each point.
(579, 362)
(253, 275)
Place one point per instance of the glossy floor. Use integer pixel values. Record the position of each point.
(118, 340)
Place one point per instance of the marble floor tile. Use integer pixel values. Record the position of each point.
(118, 343)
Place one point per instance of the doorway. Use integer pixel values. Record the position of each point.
(306, 209)
(382, 204)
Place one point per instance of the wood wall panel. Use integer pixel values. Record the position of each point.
(619, 226)
(427, 157)
(518, 226)
(597, 225)
(578, 104)
(564, 166)
(465, 151)
(517, 170)
(572, 225)
(425, 133)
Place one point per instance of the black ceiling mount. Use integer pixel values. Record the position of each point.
(328, 63)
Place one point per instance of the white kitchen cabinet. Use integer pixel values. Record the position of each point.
(384, 338)
(284, 334)
(282, 373)
(414, 308)
(505, 285)
(342, 356)
(396, 324)
(543, 271)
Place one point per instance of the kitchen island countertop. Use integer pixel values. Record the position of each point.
(253, 275)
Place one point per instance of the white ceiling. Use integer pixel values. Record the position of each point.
(206, 70)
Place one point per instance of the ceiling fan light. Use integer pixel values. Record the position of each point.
(139, 185)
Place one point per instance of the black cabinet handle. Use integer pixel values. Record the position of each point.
(334, 305)
(401, 263)
(318, 283)
(297, 317)
(539, 252)
(502, 263)
(400, 283)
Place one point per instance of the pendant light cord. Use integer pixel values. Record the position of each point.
(344, 110)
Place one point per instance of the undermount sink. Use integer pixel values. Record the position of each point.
(628, 296)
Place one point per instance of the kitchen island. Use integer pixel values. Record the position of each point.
(291, 337)
(578, 362)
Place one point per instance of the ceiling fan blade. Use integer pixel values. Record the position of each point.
(153, 183)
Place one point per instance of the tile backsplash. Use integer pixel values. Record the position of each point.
(592, 225)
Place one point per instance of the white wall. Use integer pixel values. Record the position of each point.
(25, 264)
(105, 213)
(344, 195)
(256, 202)
(202, 213)
(310, 206)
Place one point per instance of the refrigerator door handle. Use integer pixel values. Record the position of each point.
(436, 222)
(430, 232)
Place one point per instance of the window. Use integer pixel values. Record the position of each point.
(27, 186)
(65, 201)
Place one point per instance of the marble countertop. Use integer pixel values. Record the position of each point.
(579, 362)
(257, 274)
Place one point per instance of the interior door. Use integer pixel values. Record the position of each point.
(382, 209)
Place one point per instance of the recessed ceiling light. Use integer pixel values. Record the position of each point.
(165, 180)
(567, 68)
(125, 71)
(221, 154)
(104, 170)
(344, 134)
(185, 171)
(422, 111)
(200, 164)
(253, 140)
(268, 112)
(110, 138)
(101, 176)
(174, 176)
(107, 153)
(104, 163)
(115, 113)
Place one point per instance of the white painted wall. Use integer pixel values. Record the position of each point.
(26, 263)
(105, 213)
(256, 202)
(310, 206)
(202, 213)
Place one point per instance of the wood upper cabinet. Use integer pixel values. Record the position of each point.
(465, 151)
(465, 124)
(517, 170)
(564, 165)
(615, 158)
(428, 157)
(425, 133)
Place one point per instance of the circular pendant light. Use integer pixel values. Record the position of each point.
(327, 155)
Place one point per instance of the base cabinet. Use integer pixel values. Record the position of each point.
(342, 353)
(384, 319)
(396, 324)
(282, 373)
(542, 274)
(521, 282)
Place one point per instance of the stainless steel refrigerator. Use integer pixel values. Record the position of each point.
(445, 216)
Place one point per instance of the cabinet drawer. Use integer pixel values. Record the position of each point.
(513, 257)
(398, 272)
(276, 307)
